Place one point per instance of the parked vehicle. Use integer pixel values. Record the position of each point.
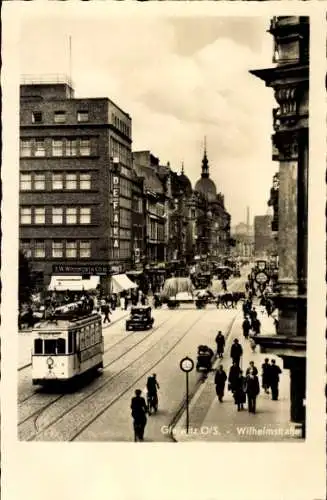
(205, 358)
(140, 318)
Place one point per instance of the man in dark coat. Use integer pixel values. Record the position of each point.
(220, 341)
(252, 369)
(139, 410)
(220, 380)
(236, 351)
(266, 375)
(274, 379)
(105, 309)
(252, 390)
(233, 375)
(256, 326)
(239, 392)
(253, 315)
(246, 325)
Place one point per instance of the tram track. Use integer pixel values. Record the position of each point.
(95, 404)
(109, 348)
(33, 418)
(106, 365)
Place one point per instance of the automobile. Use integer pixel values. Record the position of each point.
(140, 318)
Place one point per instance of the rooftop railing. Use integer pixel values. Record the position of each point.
(47, 79)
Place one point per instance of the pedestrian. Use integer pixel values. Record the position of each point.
(252, 369)
(253, 314)
(275, 371)
(122, 302)
(246, 326)
(234, 372)
(224, 285)
(256, 326)
(252, 391)
(239, 391)
(139, 410)
(236, 351)
(220, 341)
(220, 380)
(105, 309)
(266, 375)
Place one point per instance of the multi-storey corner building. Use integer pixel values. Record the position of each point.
(264, 240)
(290, 81)
(75, 180)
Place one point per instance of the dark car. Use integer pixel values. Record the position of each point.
(140, 318)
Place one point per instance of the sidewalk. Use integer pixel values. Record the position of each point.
(25, 337)
(212, 421)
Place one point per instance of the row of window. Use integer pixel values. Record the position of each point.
(121, 125)
(58, 215)
(33, 181)
(38, 147)
(69, 249)
(60, 116)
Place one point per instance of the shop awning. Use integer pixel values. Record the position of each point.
(120, 282)
(73, 283)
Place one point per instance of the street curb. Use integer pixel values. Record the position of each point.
(197, 391)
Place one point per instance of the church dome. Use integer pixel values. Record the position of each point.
(185, 182)
(205, 185)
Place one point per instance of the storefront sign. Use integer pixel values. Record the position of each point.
(116, 210)
(92, 270)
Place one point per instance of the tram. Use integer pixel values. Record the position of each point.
(67, 345)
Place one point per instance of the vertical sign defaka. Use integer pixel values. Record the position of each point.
(115, 209)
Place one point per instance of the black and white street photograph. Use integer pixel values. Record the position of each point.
(163, 228)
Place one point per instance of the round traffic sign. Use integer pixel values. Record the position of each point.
(187, 364)
(261, 278)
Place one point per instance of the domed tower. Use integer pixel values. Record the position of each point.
(185, 183)
(205, 185)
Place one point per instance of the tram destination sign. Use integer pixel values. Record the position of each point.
(101, 269)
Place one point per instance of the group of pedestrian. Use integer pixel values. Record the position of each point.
(244, 387)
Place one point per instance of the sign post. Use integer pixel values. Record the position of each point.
(187, 365)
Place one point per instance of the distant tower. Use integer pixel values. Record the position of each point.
(248, 220)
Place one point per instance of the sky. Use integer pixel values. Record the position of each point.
(181, 79)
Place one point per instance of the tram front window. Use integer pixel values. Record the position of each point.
(61, 346)
(38, 346)
(50, 346)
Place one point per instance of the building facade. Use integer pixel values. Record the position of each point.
(289, 79)
(75, 187)
(264, 241)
